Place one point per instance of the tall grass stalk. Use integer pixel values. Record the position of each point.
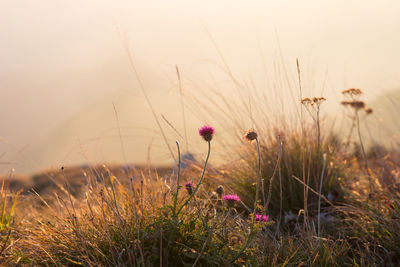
(320, 193)
(178, 74)
(177, 180)
(143, 89)
(271, 180)
(303, 150)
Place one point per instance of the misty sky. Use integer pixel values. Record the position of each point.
(59, 58)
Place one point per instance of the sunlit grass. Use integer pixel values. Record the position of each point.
(296, 196)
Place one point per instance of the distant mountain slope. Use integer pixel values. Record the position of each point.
(383, 125)
(92, 135)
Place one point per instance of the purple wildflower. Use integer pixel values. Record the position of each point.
(206, 132)
(189, 187)
(231, 199)
(263, 218)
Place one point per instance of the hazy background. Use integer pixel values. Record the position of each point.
(63, 65)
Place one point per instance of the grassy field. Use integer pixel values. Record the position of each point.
(297, 196)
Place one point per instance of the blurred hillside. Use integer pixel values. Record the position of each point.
(63, 65)
(384, 125)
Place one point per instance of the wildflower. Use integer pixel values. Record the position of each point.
(263, 218)
(206, 132)
(220, 191)
(231, 199)
(189, 187)
(250, 135)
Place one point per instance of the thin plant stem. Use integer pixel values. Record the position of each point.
(363, 153)
(120, 134)
(278, 162)
(280, 196)
(177, 179)
(204, 245)
(313, 191)
(259, 171)
(182, 106)
(319, 196)
(302, 139)
(350, 132)
(144, 92)
(258, 179)
(318, 131)
(246, 244)
(200, 181)
(141, 237)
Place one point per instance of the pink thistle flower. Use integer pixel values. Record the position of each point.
(263, 218)
(231, 199)
(206, 132)
(189, 187)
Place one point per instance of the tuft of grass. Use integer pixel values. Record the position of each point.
(7, 204)
(300, 158)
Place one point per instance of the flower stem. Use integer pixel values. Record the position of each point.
(200, 181)
(258, 179)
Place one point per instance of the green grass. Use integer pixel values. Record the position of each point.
(7, 204)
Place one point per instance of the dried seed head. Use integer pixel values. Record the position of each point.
(345, 103)
(368, 110)
(356, 104)
(318, 100)
(189, 187)
(306, 101)
(352, 92)
(313, 101)
(250, 135)
(220, 191)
